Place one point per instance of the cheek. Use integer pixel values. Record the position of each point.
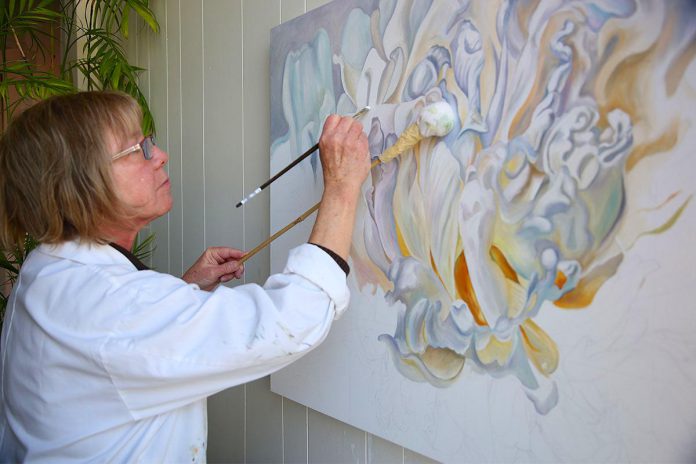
(134, 189)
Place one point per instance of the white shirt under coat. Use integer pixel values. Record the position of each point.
(101, 362)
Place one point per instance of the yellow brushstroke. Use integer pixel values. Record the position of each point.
(443, 362)
(621, 91)
(619, 86)
(516, 297)
(583, 294)
(671, 197)
(499, 258)
(496, 351)
(403, 248)
(663, 143)
(465, 290)
(437, 273)
(524, 13)
(623, 85)
(561, 280)
(677, 68)
(523, 117)
(540, 348)
(545, 66)
(670, 222)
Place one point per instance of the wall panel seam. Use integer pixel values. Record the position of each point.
(306, 407)
(149, 97)
(205, 233)
(307, 432)
(166, 99)
(241, 20)
(244, 244)
(181, 142)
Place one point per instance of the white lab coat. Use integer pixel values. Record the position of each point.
(101, 362)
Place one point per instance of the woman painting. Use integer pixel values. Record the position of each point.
(105, 360)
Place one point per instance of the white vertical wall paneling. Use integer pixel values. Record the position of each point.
(258, 18)
(142, 40)
(333, 441)
(223, 101)
(312, 4)
(174, 133)
(223, 137)
(264, 442)
(382, 451)
(264, 409)
(291, 9)
(193, 120)
(157, 52)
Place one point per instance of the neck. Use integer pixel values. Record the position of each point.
(121, 237)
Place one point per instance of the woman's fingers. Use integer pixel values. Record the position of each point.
(225, 253)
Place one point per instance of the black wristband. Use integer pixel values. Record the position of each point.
(340, 261)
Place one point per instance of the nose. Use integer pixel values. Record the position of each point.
(160, 156)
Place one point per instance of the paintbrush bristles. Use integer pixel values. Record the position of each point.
(408, 138)
(435, 120)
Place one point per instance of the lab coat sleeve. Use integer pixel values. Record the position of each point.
(177, 344)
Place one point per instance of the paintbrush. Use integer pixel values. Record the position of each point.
(258, 190)
(435, 120)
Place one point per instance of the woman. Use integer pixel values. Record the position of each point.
(104, 360)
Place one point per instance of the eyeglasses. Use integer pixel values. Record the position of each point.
(145, 145)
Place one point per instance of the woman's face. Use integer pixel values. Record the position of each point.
(141, 184)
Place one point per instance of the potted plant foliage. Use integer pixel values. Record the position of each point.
(54, 47)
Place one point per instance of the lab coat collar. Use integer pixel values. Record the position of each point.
(85, 252)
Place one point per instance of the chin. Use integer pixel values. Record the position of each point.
(167, 208)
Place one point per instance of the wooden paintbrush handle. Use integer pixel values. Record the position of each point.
(301, 218)
(266, 242)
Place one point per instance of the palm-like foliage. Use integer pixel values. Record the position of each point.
(11, 262)
(101, 26)
(92, 35)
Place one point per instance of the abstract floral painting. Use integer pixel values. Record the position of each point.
(521, 286)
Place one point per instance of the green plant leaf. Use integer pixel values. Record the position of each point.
(124, 25)
(144, 249)
(143, 10)
(27, 20)
(6, 264)
(29, 83)
(3, 306)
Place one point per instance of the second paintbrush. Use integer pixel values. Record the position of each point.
(357, 115)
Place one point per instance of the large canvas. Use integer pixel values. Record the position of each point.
(521, 288)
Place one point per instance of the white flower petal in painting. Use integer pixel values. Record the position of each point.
(533, 199)
(308, 98)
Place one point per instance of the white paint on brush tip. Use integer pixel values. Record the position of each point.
(436, 120)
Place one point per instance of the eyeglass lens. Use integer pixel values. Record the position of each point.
(147, 145)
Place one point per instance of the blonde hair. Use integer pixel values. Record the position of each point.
(55, 167)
